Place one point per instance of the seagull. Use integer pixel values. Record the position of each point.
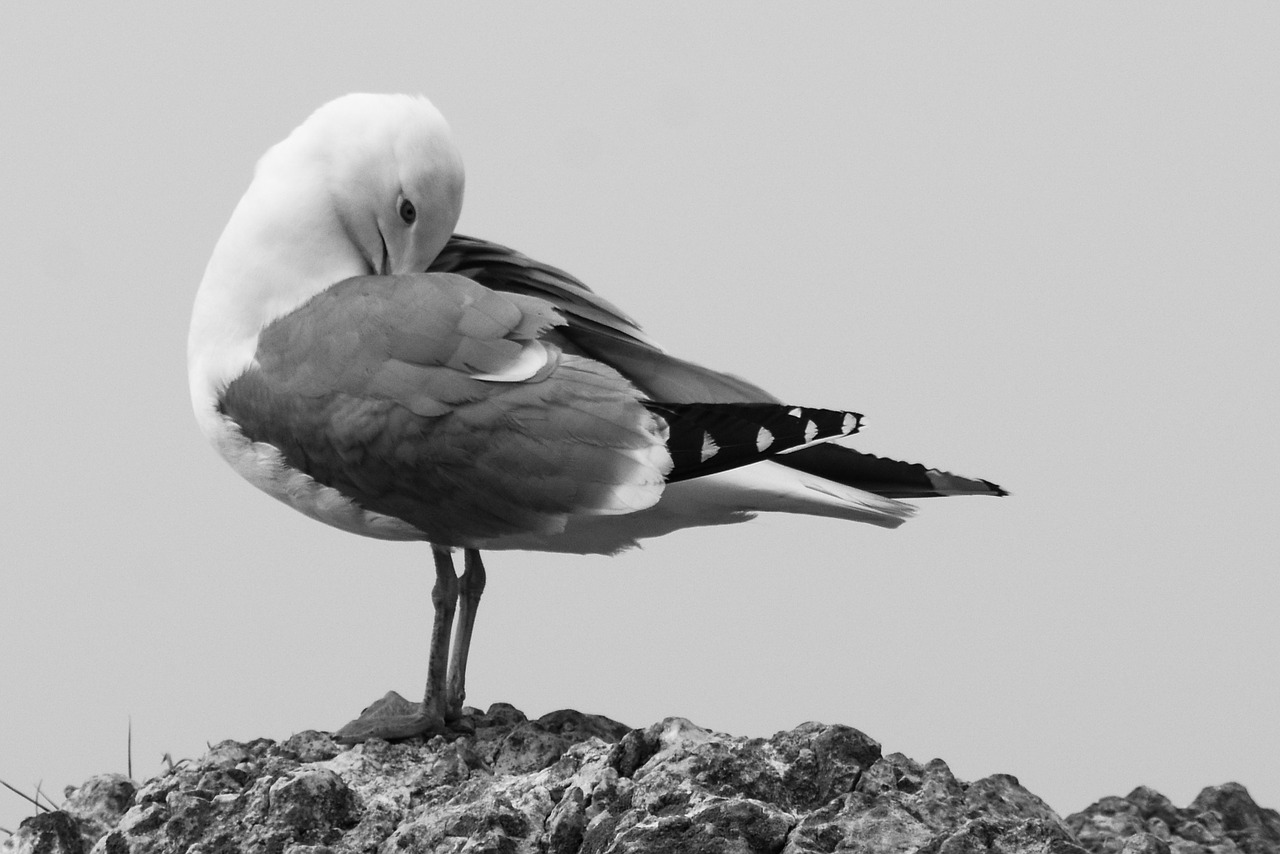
(353, 357)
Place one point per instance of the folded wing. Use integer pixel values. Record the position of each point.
(438, 401)
(599, 330)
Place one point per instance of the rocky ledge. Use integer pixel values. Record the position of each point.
(570, 783)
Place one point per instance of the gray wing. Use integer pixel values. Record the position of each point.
(595, 326)
(436, 400)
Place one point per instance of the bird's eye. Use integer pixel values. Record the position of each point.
(408, 212)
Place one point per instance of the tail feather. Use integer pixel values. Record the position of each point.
(883, 476)
(771, 488)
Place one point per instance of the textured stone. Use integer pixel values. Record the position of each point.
(1221, 820)
(715, 826)
(569, 783)
(822, 761)
(533, 745)
(310, 800)
(99, 803)
(1145, 843)
(47, 833)
(311, 746)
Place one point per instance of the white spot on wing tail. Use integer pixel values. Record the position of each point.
(709, 447)
(763, 440)
(812, 438)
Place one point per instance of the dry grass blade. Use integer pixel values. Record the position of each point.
(40, 794)
(24, 796)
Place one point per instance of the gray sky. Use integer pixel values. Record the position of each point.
(1035, 243)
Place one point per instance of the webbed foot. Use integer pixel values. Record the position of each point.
(391, 717)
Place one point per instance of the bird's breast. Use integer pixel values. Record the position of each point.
(265, 466)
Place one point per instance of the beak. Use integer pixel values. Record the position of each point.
(384, 265)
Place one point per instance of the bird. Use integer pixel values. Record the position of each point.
(352, 356)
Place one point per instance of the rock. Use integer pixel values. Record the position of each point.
(715, 826)
(311, 746)
(571, 783)
(822, 762)
(47, 833)
(1145, 843)
(99, 804)
(533, 745)
(309, 800)
(900, 805)
(1221, 820)
(1254, 829)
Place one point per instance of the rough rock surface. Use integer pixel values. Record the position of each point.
(1221, 820)
(570, 783)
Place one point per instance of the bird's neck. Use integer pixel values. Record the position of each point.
(283, 245)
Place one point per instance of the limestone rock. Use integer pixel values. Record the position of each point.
(47, 833)
(99, 804)
(1221, 820)
(570, 783)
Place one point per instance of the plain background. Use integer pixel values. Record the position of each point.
(1035, 243)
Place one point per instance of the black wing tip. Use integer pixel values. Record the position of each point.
(996, 489)
(945, 483)
(885, 476)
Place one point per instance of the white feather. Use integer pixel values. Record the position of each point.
(717, 499)
(534, 356)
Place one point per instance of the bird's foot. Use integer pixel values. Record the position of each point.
(390, 718)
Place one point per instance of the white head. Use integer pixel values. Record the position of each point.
(387, 166)
(368, 184)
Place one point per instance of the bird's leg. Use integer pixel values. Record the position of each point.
(444, 598)
(470, 587)
(395, 717)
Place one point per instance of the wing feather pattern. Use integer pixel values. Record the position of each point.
(399, 392)
(601, 331)
(503, 269)
(517, 409)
